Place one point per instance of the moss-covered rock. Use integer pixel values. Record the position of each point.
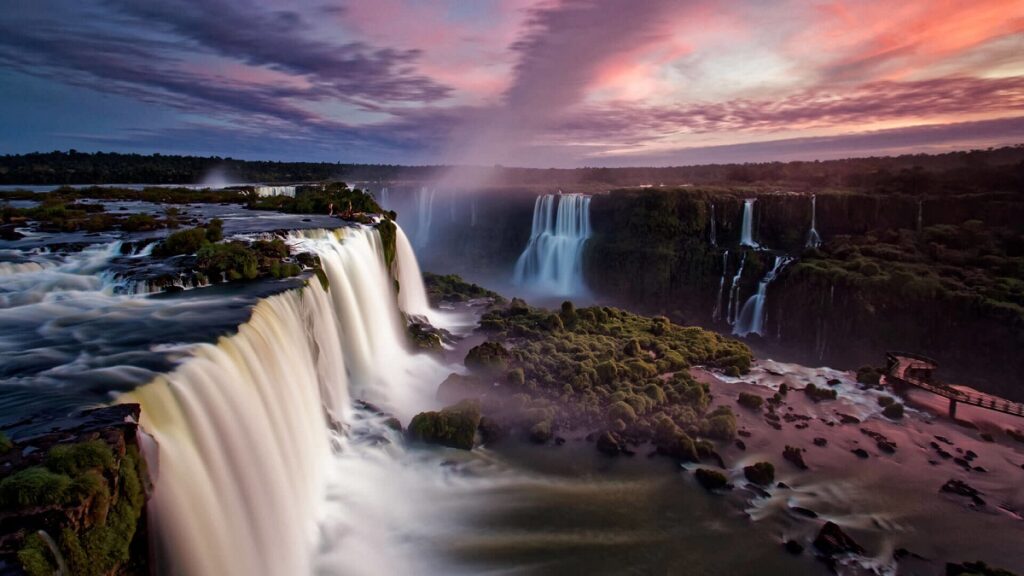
(711, 479)
(489, 358)
(454, 426)
(760, 473)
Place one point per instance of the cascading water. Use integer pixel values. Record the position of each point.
(424, 215)
(385, 197)
(716, 313)
(552, 262)
(751, 318)
(920, 215)
(747, 227)
(714, 231)
(813, 239)
(244, 427)
(263, 191)
(734, 293)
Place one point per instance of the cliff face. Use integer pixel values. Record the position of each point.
(73, 498)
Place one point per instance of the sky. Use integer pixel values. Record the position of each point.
(545, 83)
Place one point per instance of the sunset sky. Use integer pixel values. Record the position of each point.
(514, 82)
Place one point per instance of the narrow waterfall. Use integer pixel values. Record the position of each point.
(424, 215)
(552, 262)
(384, 199)
(734, 293)
(751, 318)
(714, 231)
(275, 191)
(244, 428)
(813, 239)
(747, 228)
(716, 313)
(920, 215)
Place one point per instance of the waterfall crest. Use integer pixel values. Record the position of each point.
(813, 239)
(751, 318)
(244, 427)
(553, 259)
(275, 191)
(747, 227)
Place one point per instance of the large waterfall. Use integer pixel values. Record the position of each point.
(552, 262)
(424, 215)
(734, 292)
(751, 318)
(813, 239)
(263, 191)
(747, 227)
(244, 428)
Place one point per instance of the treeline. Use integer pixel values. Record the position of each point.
(992, 170)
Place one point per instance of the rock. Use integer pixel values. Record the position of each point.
(743, 433)
(761, 473)
(820, 442)
(454, 426)
(987, 437)
(608, 444)
(975, 569)
(490, 430)
(796, 456)
(961, 488)
(559, 440)
(860, 452)
(847, 419)
(540, 433)
(8, 232)
(883, 443)
(793, 547)
(740, 444)
(944, 440)
(489, 358)
(782, 486)
(458, 387)
(711, 479)
(394, 424)
(832, 541)
(970, 455)
(808, 513)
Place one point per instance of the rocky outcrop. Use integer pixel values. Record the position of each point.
(454, 426)
(73, 498)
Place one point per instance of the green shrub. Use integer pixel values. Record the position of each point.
(35, 486)
(488, 358)
(621, 411)
(72, 459)
(454, 426)
(893, 411)
(711, 479)
(761, 473)
(819, 394)
(234, 260)
(751, 401)
(35, 557)
(721, 425)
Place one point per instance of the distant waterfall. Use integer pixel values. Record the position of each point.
(714, 230)
(553, 259)
(920, 215)
(385, 197)
(751, 318)
(734, 293)
(424, 215)
(244, 427)
(747, 229)
(813, 239)
(275, 191)
(716, 313)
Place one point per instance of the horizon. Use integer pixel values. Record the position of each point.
(518, 83)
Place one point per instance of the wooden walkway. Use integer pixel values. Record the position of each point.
(915, 370)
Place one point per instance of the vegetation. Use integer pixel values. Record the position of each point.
(5, 444)
(452, 288)
(820, 394)
(711, 479)
(318, 200)
(454, 426)
(893, 411)
(760, 473)
(751, 401)
(57, 214)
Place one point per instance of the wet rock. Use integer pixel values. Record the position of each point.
(860, 452)
(782, 485)
(490, 430)
(740, 444)
(454, 426)
(961, 488)
(987, 437)
(970, 455)
(559, 441)
(834, 382)
(744, 433)
(944, 440)
(805, 512)
(393, 423)
(457, 387)
(793, 547)
(711, 479)
(847, 419)
(975, 569)
(540, 433)
(761, 473)
(883, 443)
(795, 456)
(832, 541)
(820, 442)
(608, 444)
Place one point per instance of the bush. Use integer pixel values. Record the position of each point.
(869, 375)
(711, 479)
(181, 242)
(886, 401)
(761, 473)
(820, 394)
(234, 260)
(488, 358)
(621, 411)
(893, 411)
(35, 486)
(454, 426)
(72, 459)
(751, 401)
(721, 425)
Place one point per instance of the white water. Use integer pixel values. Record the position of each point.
(424, 215)
(714, 231)
(243, 428)
(747, 228)
(813, 239)
(716, 313)
(263, 191)
(751, 319)
(734, 293)
(552, 262)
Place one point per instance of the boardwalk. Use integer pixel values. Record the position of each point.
(909, 369)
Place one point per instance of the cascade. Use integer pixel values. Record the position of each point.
(275, 191)
(747, 228)
(244, 427)
(734, 293)
(424, 215)
(716, 313)
(714, 232)
(385, 197)
(751, 318)
(920, 215)
(813, 239)
(553, 259)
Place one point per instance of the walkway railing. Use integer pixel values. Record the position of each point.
(905, 361)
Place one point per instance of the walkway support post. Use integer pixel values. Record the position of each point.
(952, 409)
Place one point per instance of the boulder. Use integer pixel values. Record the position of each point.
(711, 479)
(454, 426)
(832, 541)
(608, 444)
(795, 456)
(458, 387)
(489, 358)
(761, 473)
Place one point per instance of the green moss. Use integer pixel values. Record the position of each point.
(36, 558)
(322, 277)
(454, 426)
(761, 473)
(751, 401)
(72, 459)
(711, 479)
(35, 486)
(389, 238)
(5, 444)
(488, 358)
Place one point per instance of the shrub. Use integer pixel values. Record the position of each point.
(711, 479)
(181, 242)
(869, 375)
(454, 426)
(761, 473)
(820, 394)
(721, 425)
(35, 486)
(893, 411)
(751, 401)
(886, 401)
(621, 411)
(488, 358)
(234, 260)
(72, 459)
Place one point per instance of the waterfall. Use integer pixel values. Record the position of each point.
(813, 239)
(385, 197)
(424, 215)
(553, 259)
(244, 427)
(734, 293)
(751, 318)
(920, 215)
(275, 191)
(716, 313)
(747, 229)
(714, 232)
